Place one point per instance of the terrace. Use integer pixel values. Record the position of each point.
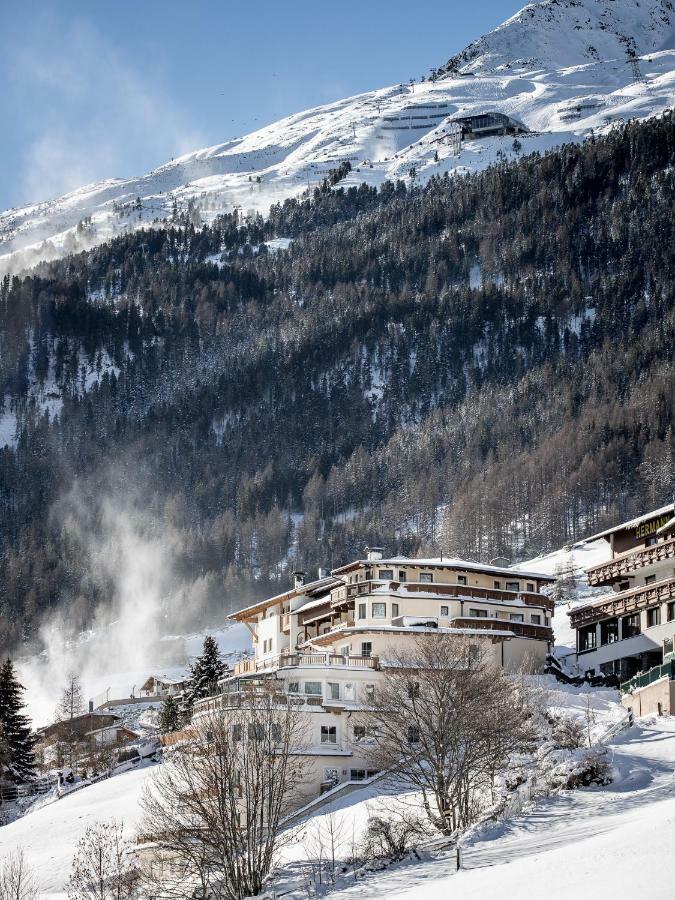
(624, 564)
(625, 602)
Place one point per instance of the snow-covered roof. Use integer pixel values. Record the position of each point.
(413, 629)
(445, 562)
(633, 523)
(309, 588)
(667, 527)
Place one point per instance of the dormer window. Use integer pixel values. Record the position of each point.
(512, 585)
(402, 576)
(462, 579)
(426, 578)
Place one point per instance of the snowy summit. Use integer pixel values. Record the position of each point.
(560, 70)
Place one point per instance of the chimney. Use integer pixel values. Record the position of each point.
(298, 579)
(373, 553)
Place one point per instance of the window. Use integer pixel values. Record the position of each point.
(461, 579)
(630, 625)
(609, 631)
(426, 578)
(624, 585)
(387, 574)
(650, 579)
(293, 687)
(394, 610)
(256, 731)
(497, 585)
(236, 731)
(671, 611)
(478, 613)
(587, 638)
(362, 610)
(275, 732)
(535, 618)
(346, 650)
(653, 616)
(516, 617)
(512, 585)
(357, 774)
(413, 734)
(349, 692)
(402, 576)
(667, 646)
(328, 734)
(313, 688)
(333, 691)
(413, 690)
(379, 610)
(367, 648)
(370, 693)
(359, 732)
(445, 610)
(530, 587)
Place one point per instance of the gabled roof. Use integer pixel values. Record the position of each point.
(443, 562)
(311, 589)
(633, 523)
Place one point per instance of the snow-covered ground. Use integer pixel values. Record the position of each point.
(598, 843)
(593, 842)
(48, 835)
(570, 561)
(561, 67)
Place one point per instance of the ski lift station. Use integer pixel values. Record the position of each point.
(488, 124)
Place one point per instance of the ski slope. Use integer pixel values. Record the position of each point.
(561, 67)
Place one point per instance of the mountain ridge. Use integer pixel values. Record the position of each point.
(398, 132)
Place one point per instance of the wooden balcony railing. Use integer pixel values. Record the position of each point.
(520, 629)
(346, 594)
(625, 603)
(631, 561)
(285, 660)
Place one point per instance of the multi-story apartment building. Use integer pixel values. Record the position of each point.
(324, 642)
(632, 628)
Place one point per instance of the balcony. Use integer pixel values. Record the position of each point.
(293, 660)
(631, 561)
(348, 594)
(625, 602)
(519, 629)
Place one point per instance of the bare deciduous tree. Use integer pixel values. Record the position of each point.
(17, 879)
(444, 722)
(71, 703)
(103, 865)
(215, 805)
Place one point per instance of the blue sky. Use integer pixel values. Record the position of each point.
(108, 88)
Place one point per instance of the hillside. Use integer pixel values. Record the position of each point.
(565, 839)
(561, 67)
(482, 366)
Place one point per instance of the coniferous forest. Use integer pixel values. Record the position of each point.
(482, 366)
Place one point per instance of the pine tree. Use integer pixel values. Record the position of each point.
(169, 715)
(206, 670)
(16, 725)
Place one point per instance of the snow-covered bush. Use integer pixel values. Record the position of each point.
(568, 733)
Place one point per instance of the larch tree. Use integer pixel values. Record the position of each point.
(71, 703)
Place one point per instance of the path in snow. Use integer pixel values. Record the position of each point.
(600, 843)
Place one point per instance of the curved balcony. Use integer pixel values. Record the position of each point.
(519, 629)
(347, 595)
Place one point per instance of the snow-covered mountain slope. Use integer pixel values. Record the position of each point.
(561, 67)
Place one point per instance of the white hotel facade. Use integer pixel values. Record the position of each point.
(324, 643)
